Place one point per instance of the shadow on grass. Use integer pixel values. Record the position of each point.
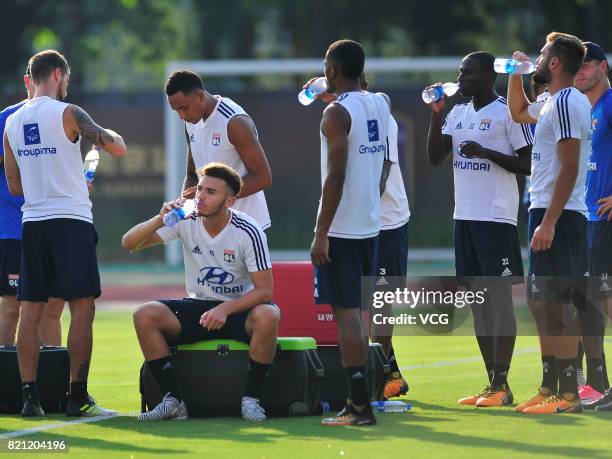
(391, 427)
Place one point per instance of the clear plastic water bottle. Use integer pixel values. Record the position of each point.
(433, 94)
(309, 94)
(390, 406)
(176, 215)
(514, 67)
(324, 407)
(90, 164)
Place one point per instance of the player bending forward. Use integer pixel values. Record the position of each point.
(228, 275)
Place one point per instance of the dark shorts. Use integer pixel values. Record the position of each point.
(58, 258)
(393, 252)
(487, 249)
(553, 272)
(188, 311)
(339, 282)
(10, 257)
(599, 249)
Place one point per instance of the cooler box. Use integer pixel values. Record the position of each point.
(212, 375)
(335, 386)
(53, 379)
(294, 294)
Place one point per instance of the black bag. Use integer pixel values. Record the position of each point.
(335, 386)
(53, 379)
(211, 378)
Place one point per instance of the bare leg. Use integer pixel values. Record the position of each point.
(80, 337)
(154, 322)
(351, 336)
(50, 327)
(28, 342)
(9, 316)
(262, 325)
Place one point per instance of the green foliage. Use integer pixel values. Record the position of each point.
(125, 44)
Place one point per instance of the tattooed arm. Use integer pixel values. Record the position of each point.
(78, 122)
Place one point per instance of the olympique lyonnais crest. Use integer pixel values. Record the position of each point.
(13, 280)
(485, 124)
(228, 255)
(216, 139)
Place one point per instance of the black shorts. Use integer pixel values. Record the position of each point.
(10, 257)
(58, 258)
(487, 249)
(599, 249)
(553, 272)
(393, 252)
(339, 282)
(188, 311)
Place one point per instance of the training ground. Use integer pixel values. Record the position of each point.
(439, 370)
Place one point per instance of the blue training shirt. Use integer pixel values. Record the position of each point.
(10, 206)
(599, 175)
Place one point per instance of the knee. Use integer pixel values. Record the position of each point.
(146, 316)
(265, 318)
(54, 308)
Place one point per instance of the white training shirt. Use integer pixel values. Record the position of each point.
(50, 165)
(485, 191)
(394, 209)
(564, 115)
(358, 214)
(218, 269)
(209, 143)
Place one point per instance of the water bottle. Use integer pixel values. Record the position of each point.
(324, 407)
(309, 94)
(433, 94)
(514, 67)
(90, 164)
(390, 406)
(176, 215)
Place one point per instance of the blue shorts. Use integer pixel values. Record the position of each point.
(488, 249)
(393, 252)
(599, 249)
(553, 272)
(58, 258)
(339, 282)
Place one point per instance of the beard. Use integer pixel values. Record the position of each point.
(60, 94)
(542, 75)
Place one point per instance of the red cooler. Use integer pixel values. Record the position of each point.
(294, 294)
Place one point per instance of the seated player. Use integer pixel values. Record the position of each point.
(228, 275)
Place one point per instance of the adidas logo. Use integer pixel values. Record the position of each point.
(604, 287)
(382, 281)
(357, 375)
(506, 272)
(167, 366)
(459, 126)
(197, 250)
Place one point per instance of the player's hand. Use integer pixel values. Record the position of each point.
(520, 56)
(438, 105)
(542, 238)
(605, 207)
(326, 97)
(215, 318)
(189, 193)
(319, 250)
(89, 187)
(170, 206)
(473, 149)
